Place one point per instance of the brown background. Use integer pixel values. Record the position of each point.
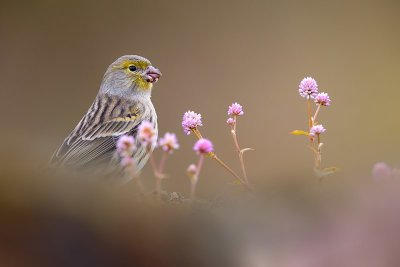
(53, 55)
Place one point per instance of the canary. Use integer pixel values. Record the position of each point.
(122, 103)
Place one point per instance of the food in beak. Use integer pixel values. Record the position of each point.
(152, 74)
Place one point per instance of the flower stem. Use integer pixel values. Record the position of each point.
(243, 168)
(319, 152)
(233, 132)
(193, 189)
(214, 156)
(199, 165)
(234, 124)
(240, 153)
(156, 173)
(162, 162)
(235, 140)
(310, 120)
(314, 153)
(197, 133)
(195, 178)
(316, 113)
(133, 173)
(309, 113)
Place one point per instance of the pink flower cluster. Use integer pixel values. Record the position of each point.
(235, 110)
(146, 133)
(190, 121)
(191, 170)
(126, 146)
(317, 129)
(169, 142)
(382, 172)
(308, 88)
(230, 121)
(147, 137)
(203, 146)
(126, 161)
(323, 99)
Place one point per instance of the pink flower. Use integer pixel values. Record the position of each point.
(235, 109)
(381, 171)
(169, 142)
(317, 129)
(230, 121)
(126, 145)
(308, 88)
(126, 161)
(190, 121)
(191, 170)
(323, 99)
(146, 133)
(203, 146)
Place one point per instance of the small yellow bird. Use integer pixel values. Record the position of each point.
(122, 103)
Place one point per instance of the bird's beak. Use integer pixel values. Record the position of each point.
(152, 74)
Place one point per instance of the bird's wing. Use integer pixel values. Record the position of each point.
(94, 138)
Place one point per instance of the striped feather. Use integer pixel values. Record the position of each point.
(93, 141)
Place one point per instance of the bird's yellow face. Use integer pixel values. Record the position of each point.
(139, 72)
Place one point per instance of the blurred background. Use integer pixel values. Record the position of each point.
(212, 53)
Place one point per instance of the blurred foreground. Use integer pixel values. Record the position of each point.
(48, 219)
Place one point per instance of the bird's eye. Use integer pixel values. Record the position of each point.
(132, 68)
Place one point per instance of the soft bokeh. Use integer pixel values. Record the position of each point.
(212, 54)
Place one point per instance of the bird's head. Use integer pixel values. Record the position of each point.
(128, 74)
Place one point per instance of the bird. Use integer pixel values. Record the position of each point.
(122, 103)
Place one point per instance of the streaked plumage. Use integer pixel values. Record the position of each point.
(122, 103)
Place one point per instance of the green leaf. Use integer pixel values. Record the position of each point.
(246, 149)
(298, 132)
(320, 146)
(313, 149)
(325, 172)
(331, 170)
